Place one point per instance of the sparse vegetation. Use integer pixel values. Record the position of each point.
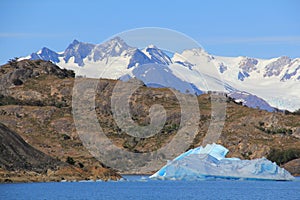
(17, 81)
(273, 130)
(70, 160)
(80, 165)
(66, 137)
(13, 62)
(260, 123)
(297, 112)
(8, 100)
(247, 155)
(170, 128)
(283, 156)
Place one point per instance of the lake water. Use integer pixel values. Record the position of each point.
(136, 187)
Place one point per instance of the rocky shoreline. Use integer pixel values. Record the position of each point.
(68, 173)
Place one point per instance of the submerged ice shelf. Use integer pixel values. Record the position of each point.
(210, 163)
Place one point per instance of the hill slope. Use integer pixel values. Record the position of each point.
(16, 154)
(39, 109)
(44, 152)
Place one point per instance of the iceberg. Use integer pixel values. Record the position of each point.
(210, 163)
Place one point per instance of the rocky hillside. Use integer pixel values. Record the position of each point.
(16, 154)
(20, 162)
(36, 103)
(54, 151)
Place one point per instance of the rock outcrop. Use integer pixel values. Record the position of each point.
(293, 167)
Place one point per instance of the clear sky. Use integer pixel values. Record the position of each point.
(256, 28)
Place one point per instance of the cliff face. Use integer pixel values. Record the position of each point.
(38, 107)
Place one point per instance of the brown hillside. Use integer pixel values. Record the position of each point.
(38, 107)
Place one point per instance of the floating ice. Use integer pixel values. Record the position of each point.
(210, 163)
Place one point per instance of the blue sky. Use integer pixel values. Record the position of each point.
(254, 28)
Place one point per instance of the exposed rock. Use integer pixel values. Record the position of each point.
(293, 167)
(296, 132)
(275, 68)
(17, 73)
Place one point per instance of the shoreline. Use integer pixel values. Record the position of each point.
(101, 180)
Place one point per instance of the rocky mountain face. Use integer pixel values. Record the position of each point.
(39, 108)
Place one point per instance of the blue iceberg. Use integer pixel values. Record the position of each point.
(210, 163)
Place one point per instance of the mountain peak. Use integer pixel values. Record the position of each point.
(117, 41)
(45, 54)
(45, 49)
(112, 48)
(151, 46)
(117, 38)
(78, 50)
(156, 55)
(75, 42)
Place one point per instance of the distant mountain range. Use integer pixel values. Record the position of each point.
(258, 83)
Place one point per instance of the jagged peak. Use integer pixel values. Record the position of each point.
(114, 43)
(45, 49)
(116, 40)
(75, 42)
(111, 48)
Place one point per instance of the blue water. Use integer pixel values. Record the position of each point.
(137, 188)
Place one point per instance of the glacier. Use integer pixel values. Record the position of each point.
(210, 163)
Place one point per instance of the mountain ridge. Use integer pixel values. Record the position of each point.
(261, 78)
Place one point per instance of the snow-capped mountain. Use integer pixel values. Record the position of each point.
(276, 80)
(158, 75)
(46, 54)
(263, 83)
(77, 50)
(250, 100)
(156, 55)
